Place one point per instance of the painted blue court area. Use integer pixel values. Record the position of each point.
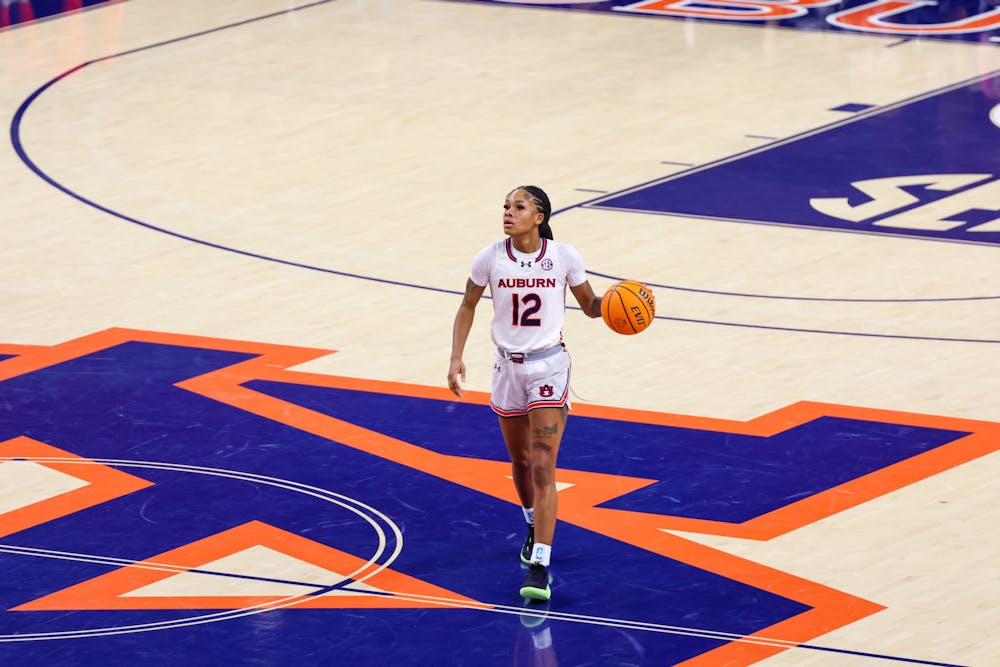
(121, 404)
(927, 168)
(213, 467)
(702, 474)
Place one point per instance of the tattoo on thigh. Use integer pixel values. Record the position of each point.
(546, 431)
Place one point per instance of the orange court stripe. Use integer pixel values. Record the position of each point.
(830, 609)
(103, 484)
(108, 591)
(984, 438)
(16, 350)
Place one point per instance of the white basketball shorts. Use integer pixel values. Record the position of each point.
(519, 387)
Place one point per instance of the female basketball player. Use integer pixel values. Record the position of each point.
(527, 273)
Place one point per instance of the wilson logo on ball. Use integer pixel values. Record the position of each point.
(628, 307)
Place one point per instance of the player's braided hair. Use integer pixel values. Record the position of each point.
(540, 200)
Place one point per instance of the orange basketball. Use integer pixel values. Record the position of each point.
(628, 307)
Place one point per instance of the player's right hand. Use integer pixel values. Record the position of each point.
(455, 372)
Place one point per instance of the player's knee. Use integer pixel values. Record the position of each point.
(542, 462)
(542, 477)
(521, 463)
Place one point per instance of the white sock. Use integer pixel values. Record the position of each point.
(541, 553)
(529, 515)
(543, 639)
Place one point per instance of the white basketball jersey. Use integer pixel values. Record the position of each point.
(529, 291)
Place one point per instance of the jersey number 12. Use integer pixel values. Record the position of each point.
(532, 304)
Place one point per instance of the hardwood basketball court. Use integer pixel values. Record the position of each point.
(236, 235)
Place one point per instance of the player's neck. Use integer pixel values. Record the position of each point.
(527, 243)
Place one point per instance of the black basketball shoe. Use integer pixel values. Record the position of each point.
(536, 584)
(529, 542)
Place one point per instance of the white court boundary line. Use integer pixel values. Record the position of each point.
(543, 614)
(414, 597)
(346, 502)
(291, 601)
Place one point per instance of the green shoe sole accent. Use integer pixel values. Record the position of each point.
(524, 560)
(532, 593)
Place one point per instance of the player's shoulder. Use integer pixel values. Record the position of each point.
(565, 250)
(561, 245)
(493, 249)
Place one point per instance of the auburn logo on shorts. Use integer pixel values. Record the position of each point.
(545, 391)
